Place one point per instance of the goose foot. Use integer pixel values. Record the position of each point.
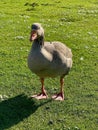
(40, 96)
(59, 96)
(43, 94)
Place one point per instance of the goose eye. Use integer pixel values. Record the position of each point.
(34, 27)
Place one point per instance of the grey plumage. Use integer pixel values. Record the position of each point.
(48, 59)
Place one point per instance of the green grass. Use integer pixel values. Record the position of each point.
(74, 23)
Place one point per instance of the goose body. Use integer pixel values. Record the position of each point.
(51, 60)
(48, 59)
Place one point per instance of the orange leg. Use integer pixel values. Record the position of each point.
(60, 96)
(43, 94)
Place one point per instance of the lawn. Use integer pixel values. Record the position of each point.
(75, 23)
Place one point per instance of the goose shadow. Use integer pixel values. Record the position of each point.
(15, 109)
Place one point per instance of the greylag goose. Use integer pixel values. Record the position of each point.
(48, 59)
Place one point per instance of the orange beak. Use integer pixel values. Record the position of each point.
(33, 35)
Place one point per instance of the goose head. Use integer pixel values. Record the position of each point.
(37, 32)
